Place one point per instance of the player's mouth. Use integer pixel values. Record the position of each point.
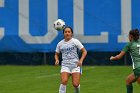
(68, 36)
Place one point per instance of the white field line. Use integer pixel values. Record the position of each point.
(57, 74)
(49, 76)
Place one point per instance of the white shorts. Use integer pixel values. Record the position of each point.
(71, 69)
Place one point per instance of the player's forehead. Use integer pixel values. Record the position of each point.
(67, 29)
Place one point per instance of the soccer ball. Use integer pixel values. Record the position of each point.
(59, 24)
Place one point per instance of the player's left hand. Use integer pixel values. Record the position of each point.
(79, 64)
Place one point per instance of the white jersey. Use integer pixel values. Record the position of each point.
(69, 51)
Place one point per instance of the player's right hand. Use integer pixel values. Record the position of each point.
(79, 63)
(112, 57)
(57, 62)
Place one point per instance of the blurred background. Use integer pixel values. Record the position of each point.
(27, 36)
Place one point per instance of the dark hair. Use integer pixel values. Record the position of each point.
(135, 34)
(69, 28)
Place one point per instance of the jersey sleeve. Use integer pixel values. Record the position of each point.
(127, 47)
(78, 44)
(58, 48)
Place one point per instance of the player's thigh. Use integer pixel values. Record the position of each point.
(64, 77)
(130, 78)
(76, 79)
(137, 74)
(138, 80)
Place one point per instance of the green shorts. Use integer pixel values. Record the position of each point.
(137, 72)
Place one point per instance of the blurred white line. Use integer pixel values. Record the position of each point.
(57, 74)
(48, 76)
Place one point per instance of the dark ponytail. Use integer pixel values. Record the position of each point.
(135, 34)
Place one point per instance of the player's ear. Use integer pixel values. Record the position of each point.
(131, 37)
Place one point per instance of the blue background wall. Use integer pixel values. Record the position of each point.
(99, 16)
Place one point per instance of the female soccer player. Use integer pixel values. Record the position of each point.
(133, 47)
(71, 64)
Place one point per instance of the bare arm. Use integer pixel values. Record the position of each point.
(56, 58)
(84, 53)
(117, 57)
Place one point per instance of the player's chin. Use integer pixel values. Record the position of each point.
(68, 37)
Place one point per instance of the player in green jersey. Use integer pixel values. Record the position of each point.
(133, 47)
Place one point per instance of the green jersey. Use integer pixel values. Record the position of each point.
(133, 48)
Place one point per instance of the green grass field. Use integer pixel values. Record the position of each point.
(45, 79)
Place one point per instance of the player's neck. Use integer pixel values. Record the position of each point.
(67, 39)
